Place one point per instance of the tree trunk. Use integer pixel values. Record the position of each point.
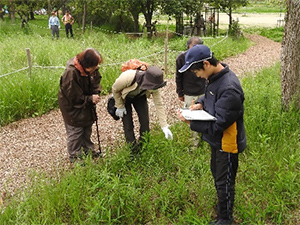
(290, 60)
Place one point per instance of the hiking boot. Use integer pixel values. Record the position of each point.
(221, 222)
(96, 155)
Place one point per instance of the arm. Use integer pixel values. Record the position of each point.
(122, 82)
(179, 77)
(162, 117)
(228, 109)
(73, 91)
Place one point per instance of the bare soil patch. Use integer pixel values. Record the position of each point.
(39, 144)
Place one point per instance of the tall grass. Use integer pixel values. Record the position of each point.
(169, 184)
(24, 96)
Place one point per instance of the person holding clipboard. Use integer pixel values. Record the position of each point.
(223, 99)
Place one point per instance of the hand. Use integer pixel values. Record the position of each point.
(95, 99)
(121, 112)
(180, 116)
(49, 27)
(58, 27)
(197, 106)
(168, 133)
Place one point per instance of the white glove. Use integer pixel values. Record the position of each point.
(167, 132)
(121, 112)
(49, 27)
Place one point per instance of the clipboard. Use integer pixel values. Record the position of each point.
(197, 115)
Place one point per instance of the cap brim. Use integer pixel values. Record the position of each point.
(184, 68)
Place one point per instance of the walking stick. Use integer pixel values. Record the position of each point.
(98, 136)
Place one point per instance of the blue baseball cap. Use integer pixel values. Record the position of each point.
(197, 53)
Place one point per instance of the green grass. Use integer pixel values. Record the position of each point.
(275, 34)
(24, 96)
(169, 184)
(261, 7)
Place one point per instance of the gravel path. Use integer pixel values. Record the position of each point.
(39, 144)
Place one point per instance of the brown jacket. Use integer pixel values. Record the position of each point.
(75, 95)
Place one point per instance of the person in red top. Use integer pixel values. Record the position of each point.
(68, 21)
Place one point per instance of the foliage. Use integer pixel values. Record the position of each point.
(169, 184)
(37, 94)
(276, 34)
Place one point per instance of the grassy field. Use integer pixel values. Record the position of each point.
(261, 7)
(36, 94)
(168, 184)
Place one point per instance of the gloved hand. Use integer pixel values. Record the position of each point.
(49, 27)
(167, 132)
(121, 112)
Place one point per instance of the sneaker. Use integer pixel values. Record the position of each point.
(221, 222)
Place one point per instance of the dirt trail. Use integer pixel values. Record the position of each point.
(39, 144)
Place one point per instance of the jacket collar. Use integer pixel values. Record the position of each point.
(79, 67)
(216, 76)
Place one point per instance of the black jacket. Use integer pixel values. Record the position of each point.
(223, 99)
(187, 83)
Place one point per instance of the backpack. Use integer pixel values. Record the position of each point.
(134, 64)
(111, 109)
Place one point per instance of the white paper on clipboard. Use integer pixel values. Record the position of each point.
(197, 115)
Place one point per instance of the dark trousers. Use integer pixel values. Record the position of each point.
(141, 107)
(224, 168)
(68, 28)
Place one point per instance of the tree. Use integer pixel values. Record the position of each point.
(148, 7)
(227, 6)
(290, 60)
(178, 7)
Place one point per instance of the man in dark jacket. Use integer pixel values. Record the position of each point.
(189, 87)
(78, 95)
(223, 99)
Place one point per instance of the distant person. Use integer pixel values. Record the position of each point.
(224, 98)
(132, 88)
(77, 98)
(211, 19)
(202, 25)
(54, 25)
(189, 87)
(68, 21)
(153, 28)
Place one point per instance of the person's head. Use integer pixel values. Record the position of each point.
(89, 59)
(153, 79)
(193, 41)
(67, 12)
(53, 13)
(200, 60)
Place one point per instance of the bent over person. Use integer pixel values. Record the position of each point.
(78, 95)
(224, 98)
(132, 88)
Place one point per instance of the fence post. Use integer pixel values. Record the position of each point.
(29, 60)
(166, 49)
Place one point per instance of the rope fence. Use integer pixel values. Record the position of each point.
(30, 66)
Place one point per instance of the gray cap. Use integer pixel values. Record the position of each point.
(153, 79)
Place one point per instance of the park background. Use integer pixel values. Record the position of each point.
(168, 184)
